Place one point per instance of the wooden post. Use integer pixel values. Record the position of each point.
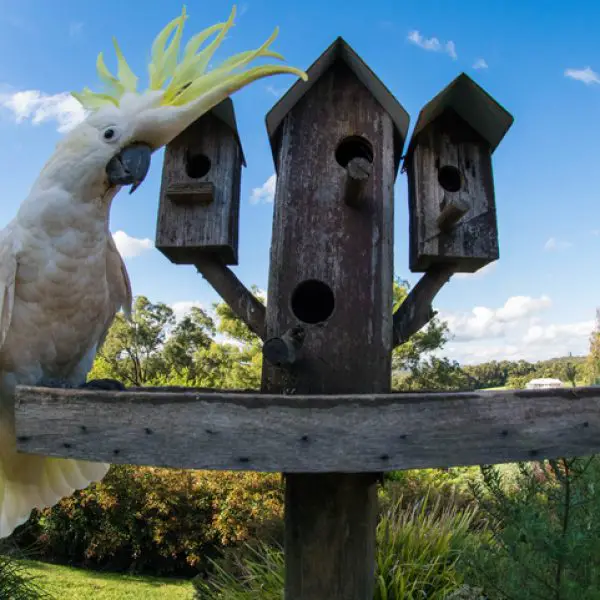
(331, 272)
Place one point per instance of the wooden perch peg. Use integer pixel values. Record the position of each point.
(284, 351)
(453, 211)
(358, 171)
(416, 310)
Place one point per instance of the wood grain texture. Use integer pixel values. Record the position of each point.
(310, 434)
(473, 242)
(239, 298)
(187, 230)
(330, 519)
(358, 173)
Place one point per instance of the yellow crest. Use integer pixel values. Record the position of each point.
(183, 81)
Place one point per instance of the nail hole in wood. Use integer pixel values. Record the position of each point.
(351, 147)
(304, 438)
(312, 301)
(83, 428)
(67, 445)
(384, 457)
(23, 438)
(117, 451)
(244, 459)
(504, 432)
(148, 430)
(449, 178)
(403, 436)
(586, 424)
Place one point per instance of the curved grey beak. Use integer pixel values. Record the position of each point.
(130, 166)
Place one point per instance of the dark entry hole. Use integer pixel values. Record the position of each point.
(449, 178)
(312, 301)
(353, 147)
(196, 165)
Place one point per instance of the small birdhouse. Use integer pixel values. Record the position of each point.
(450, 180)
(200, 190)
(336, 140)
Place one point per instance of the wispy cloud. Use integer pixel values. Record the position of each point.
(275, 91)
(75, 29)
(264, 193)
(480, 64)
(556, 244)
(432, 44)
(129, 246)
(37, 107)
(586, 75)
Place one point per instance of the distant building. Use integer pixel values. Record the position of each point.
(544, 382)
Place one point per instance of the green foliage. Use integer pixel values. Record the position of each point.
(158, 520)
(417, 554)
(16, 583)
(544, 537)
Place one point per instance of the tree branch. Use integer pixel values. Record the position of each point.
(416, 310)
(233, 291)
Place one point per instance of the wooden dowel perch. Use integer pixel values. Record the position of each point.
(454, 210)
(285, 350)
(233, 291)
(358, 171)
(416, 310)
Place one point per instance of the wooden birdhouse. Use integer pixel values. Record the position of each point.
(337, 140)
(451, 188)
(200, 190)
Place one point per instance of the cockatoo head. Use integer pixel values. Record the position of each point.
(124, 126)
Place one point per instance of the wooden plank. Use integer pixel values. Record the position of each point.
(313, 434)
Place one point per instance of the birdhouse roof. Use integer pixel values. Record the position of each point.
(473, 104)
(338, 50)
(224, 112)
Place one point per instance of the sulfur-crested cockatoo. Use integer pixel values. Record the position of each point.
(62, 279)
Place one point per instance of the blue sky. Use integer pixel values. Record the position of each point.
(539, 60)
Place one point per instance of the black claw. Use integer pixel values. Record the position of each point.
(110, 385)
(55, 383)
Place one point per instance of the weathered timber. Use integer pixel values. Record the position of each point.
(197, 429)
(452, 203)
(331, 272)
(417, 310)
(198, 212)
(284, 350)
(358, 172)
(241, 301)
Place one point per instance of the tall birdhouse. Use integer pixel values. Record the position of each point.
(337, 140)
(450, 180)
(199, 205)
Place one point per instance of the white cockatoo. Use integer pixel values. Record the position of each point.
(62, 279)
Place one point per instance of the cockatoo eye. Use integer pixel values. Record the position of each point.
(110, 134)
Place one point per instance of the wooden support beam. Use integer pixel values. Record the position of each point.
(242, 431)
(234, 292)
(285, 350)
(416, 310)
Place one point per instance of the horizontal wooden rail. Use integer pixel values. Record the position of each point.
(221, 430)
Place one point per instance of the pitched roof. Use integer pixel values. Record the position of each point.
(473, 104)
(338, 50)
(224, 112)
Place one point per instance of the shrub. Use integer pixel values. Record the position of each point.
(417, 554)
(158, 520)
(544, 537)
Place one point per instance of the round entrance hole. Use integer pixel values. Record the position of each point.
(449, 178)
(312, 301)
(196, 165)
(353, 147)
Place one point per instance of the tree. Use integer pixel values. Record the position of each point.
(593, 359)
(132, 351)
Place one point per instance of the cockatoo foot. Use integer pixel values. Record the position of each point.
(109, 385)
(55, 383)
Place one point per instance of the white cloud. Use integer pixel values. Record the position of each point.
(432, 44)
(275, 91)
(480, 64)
(75, 29)
(485, 323)
(489, 268)
(565, 333)
(37, 107)
(555, 244)
(183, 307)
(586, 75)
(130, 247)
(264, 193)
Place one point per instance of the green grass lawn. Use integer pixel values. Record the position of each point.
(69, 583)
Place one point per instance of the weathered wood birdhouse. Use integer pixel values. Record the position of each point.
(337, 140)
(200, 190)
(451, 187)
